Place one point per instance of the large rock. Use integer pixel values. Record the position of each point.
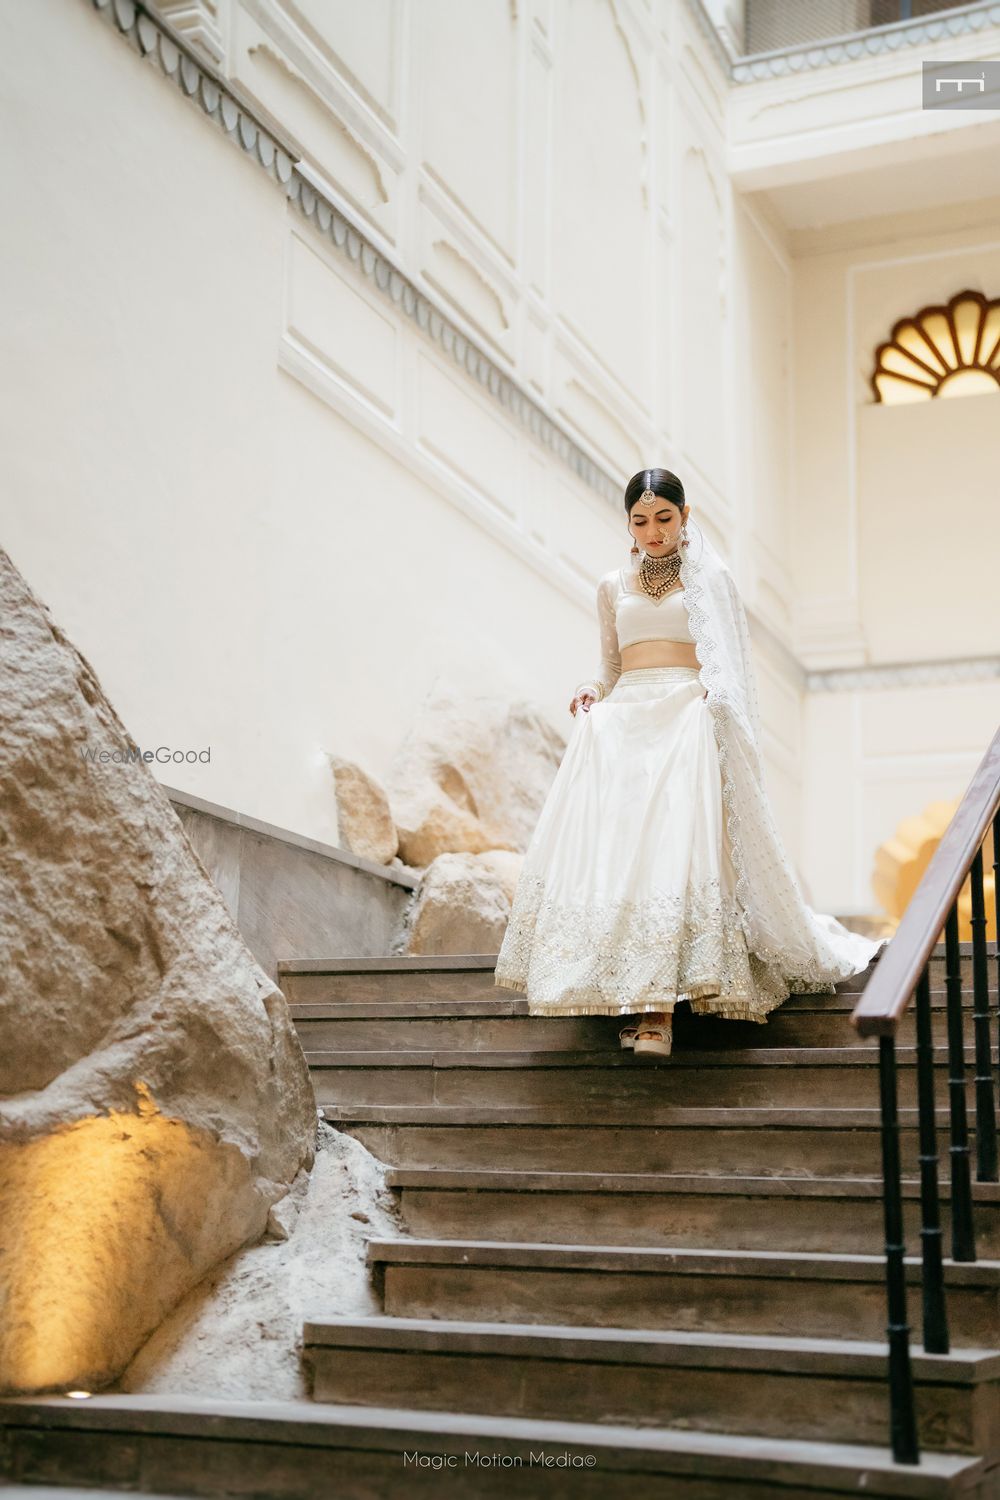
(471, 776)
(462, 904)
(154, 1100)
(364, 820)
(238, 1334)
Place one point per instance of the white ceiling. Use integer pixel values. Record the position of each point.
(931, 174)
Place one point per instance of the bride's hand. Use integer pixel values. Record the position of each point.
(582, 700)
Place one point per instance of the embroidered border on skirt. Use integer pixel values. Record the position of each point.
(619, 958)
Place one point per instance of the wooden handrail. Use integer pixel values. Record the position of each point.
(890, 988)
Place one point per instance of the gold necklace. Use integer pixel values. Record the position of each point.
(657, 575)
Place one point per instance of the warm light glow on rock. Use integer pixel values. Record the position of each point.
(106, 1224)
(155, 1102)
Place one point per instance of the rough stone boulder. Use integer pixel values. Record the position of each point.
(238, 1334)
(364, 819)
(462, 904)
(471, 776)
(154, 1100)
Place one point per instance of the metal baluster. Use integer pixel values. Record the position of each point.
(996, 908)
(963, 1234)
(986, 1124)
(902, 1416)
(935, 1312)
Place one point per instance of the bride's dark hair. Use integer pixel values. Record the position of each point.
(661, 481)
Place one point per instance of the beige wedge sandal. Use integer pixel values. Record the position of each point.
(654, 1040)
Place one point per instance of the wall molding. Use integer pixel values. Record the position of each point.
(263, 140)
(198, 21)
(904, 674)
(710, 32)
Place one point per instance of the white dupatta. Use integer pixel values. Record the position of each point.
(795, 948)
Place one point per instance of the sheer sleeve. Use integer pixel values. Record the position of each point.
(611, 662)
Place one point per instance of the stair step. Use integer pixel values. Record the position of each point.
(297, 1451)
(503, 1002)
(47, 1492)
(761, 1142)
(838, 1076)
(471, 976)
(689, 1211)
(407, 1009)
(415, 964)
(446, 976)
(694, 1291)
(834, 1390)
(472, 1025)
(391, 963)
(619, 1114)
(498, 1001)
(748, 1292)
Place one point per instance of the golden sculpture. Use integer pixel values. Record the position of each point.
(901, 861)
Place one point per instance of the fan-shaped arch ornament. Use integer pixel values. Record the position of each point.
(941, 351)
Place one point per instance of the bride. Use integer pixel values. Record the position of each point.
(655, 872)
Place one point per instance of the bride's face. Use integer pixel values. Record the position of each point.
(658, 531)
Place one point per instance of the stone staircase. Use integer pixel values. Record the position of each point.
(680, 1261)
(621, 1278)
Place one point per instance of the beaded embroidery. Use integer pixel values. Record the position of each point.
(617, 958)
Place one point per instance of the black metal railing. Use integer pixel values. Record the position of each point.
(901, 974)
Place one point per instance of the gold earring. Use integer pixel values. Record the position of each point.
(635, 548)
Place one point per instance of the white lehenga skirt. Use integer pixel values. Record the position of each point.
(625, 901)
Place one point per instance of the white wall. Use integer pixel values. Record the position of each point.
(897, 531)
(272, 510)
(874, 757)
(267, 508)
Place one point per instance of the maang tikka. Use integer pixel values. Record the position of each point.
(647, 498)
(658, 575)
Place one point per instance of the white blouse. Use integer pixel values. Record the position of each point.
(626, 616)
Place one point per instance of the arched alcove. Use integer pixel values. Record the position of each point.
(941, 351)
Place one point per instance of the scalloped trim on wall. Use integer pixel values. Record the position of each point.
(263, 141)
(945, 26)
